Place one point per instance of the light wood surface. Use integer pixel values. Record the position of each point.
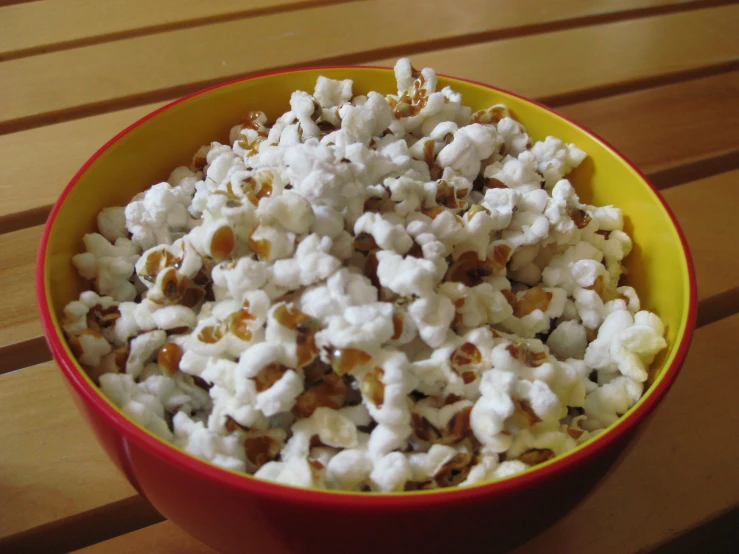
(72, 82)
(33, 27)
(659, 79)
(42, 479)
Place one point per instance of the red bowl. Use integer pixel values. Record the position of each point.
(237, 513)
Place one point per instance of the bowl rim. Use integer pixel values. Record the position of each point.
(131, 431)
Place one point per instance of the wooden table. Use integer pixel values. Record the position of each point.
(657, 78)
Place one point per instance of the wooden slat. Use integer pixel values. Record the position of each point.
(51, 466)
(42, 182)
(18, 315)
(122, 73)
(707, 212)
(162, 538)
(571, 66)
(704, 111)
(29, 187)
(679, 471)
(32, 28)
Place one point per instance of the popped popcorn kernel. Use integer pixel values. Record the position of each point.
(373, 292)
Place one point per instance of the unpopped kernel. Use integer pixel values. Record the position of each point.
(378, 292)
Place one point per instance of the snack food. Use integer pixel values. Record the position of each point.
(351, 298)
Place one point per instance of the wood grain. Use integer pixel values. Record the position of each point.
(18, 315)
(627, 54)
(162, 538)
(680, 470)
(33, 28)
(55, 467)
(698, 119)
(122, 73)
(42, 182)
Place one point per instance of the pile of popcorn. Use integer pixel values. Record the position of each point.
(374, 293)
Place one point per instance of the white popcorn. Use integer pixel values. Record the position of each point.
(501, 203)
(612, 400)
(513, 135)
(109, 265)
(470, 146)
(519, 173)
(330, 92)
(143, 349)
(350, 468)
(627, 344)
(361, 123)
(310, 264)
(365, 327)
(235, 279)
(556, 159)
(158, 215)
(568, 340)
(297, 472)
(488, 415)
(391, 376)
(340, 291)
(374, 277)
(432, 315)
(193, 437)
(388, 234)
(112, 223)
(290, 210)
(482, 472)
(279, 244)
(406, 276)
(144, 408)
(391, 473)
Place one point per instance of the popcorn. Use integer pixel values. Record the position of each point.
(364, 327)
(340, 291)
(112, 223)
(519, 174)
(290, 210)
(350, 468)
(432, 315)
(357, 296)
(627, 344)
(390, 473)
(488, 415)
(298, 472)
(159, 215)
(310, 264)
(556, 159)
(144, 408)
(406, 276)
(143, 348)
(330, 92)
(388, 234)
(568, 340)
(233, 279)
(470, 146)
(193, 437)
(109, 265)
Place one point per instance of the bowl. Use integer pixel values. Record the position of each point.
(237, 513)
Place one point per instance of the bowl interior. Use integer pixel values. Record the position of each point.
(144, 154)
